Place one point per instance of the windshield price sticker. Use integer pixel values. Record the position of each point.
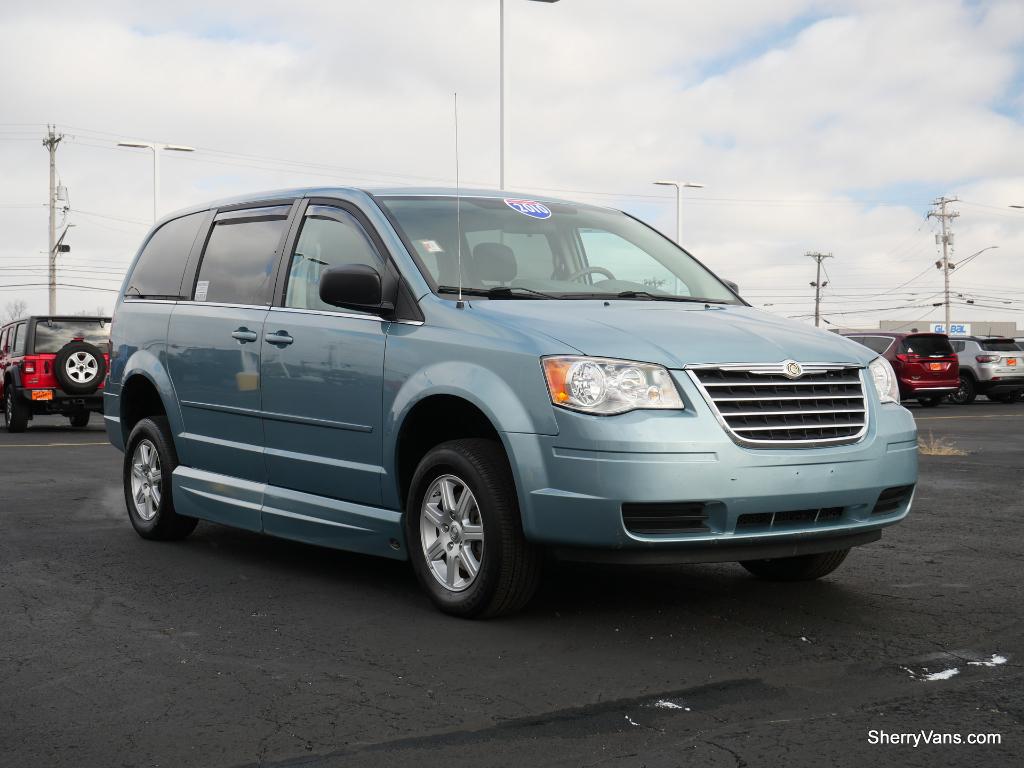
(530, 208)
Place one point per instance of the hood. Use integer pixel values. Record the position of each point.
(674, 334)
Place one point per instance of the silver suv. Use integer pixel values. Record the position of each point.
(993, 367)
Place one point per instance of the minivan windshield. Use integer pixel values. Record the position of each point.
(51, 335)
(514, 248)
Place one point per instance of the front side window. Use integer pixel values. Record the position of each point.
(561, 250)
(158, 272)
(52, 335)
(240, 259)
(329, 238)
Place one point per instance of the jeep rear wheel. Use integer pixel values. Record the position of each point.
(79, 420)
(16, 412)
(149, 461)
(464, 533)
(799, 568)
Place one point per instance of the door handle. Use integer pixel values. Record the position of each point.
(279, 339)
(243, 335)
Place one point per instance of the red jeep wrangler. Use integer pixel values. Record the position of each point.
(53, 365)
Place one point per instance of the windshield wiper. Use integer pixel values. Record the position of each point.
(497, 292)
(664, 297)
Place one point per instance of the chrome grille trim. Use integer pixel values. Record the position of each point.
(832, 411)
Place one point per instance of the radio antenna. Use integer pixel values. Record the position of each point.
(458, 200)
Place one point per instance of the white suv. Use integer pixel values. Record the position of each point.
(993, 367)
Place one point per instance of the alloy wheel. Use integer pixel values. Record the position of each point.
(81, 367)
(452, 533)
(146, 480)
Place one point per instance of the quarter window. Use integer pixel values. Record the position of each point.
(18, 346)
(159, 270)
(329, 238)
(240, 259)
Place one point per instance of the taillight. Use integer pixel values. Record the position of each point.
(987, 358)
(905, 358)
(29, 366)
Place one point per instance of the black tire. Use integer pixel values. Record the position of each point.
(16, 410)
(799, 568)
(967, 393)
(510, 566)
(79, 420)
(166, 524)
(931, 402)
(89, 355)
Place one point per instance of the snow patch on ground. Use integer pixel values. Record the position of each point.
(994, 661)
(631, 721)
(943, 675)
(666, 704)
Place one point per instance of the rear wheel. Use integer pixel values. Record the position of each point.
(464, 532)
(79, 420)
(149, 460)
(16, 414)
(967, 392)
(931, 402)
(799, 568)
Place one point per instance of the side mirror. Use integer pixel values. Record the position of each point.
(735, 288)
(354, 286)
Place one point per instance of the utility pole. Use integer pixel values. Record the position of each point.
(50, 142)
(818, 285)
(946, 238)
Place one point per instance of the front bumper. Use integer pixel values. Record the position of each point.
(572, 486)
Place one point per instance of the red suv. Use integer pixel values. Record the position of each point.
(53, 365)
(926, 365)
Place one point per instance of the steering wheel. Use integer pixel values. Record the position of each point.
(590, 270)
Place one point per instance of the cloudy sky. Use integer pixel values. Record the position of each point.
(826, 126)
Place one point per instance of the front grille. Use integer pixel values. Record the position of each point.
(665, 517)
(794, 517)
(762, 406)
(891, 499)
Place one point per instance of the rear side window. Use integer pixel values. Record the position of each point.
(999, 345)
(959, 346)
(927, 346)
(51, 335)
(157, 275)
(18, 345)
(3, 341)
(240, 259)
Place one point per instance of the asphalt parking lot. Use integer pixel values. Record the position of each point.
(234, 649)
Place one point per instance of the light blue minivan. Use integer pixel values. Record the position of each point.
(476, 382)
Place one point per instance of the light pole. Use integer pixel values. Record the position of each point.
(680, 185)
(154, 148)
(501, 89)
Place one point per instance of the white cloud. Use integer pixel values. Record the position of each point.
(828, 103)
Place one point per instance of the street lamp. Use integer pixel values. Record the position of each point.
(501, 89)
(680, 185)
(156, 161)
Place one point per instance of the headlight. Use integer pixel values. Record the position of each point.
(599, 385)
(884, 378)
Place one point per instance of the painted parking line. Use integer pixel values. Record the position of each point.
(50, 445)
(986, 416)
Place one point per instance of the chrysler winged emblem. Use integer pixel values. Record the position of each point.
(793, 369)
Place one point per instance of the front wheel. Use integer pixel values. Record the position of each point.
(464, 533)
(799, 568)
(16, 413)
(967, 392)
(149, 461)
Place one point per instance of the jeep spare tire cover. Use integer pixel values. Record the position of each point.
(80, 368)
